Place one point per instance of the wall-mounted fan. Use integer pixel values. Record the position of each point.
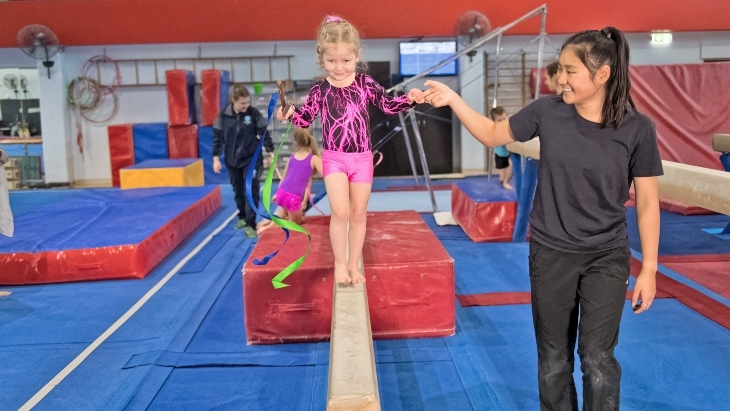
(469, 27)
(39, 42)
(11, 82)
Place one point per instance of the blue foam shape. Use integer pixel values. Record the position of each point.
(486, 191)
(225, 85)
(150, 141)
(205, 149)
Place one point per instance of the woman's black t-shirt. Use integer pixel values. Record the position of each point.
(584, 174)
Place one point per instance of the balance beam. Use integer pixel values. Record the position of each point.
(721, 143)
(352, 382)
(698, 186)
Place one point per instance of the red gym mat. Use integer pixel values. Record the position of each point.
(182, 141)
(121, 149)
(714, 275)
(410, 283)
(484, 209)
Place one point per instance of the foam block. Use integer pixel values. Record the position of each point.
(205, 149)
(181, 97)
(150, 142)
(132, 232)
(214, 87)
(410, 283)
(121, 149)
(183, 141)
(484, 210)
(163, 173)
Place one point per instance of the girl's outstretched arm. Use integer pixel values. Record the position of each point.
(488, 132)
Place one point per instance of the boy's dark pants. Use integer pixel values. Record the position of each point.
(581, 294)
(238, 181)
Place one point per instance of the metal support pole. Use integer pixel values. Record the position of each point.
(408, 146)
(540, 49)
(422, 154)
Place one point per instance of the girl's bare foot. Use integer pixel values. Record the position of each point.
(5, 293)
(263, 226)
(341, 274)
(356, 275)
(507, 186)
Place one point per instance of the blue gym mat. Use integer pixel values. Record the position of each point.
(483, 190)
(683, 235)
(95, 218)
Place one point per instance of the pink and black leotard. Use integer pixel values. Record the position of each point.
(346, 123)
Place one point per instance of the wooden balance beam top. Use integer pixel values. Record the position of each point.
(353, 382)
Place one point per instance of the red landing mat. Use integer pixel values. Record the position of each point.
(692, 298)
(714, 275)
(484, 209)
(410, 283)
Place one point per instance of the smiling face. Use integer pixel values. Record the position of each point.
(580, 87)
(339, 61)
(241, 104)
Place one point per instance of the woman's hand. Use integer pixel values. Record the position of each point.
(439, 94)
(216, 165)
(644, 289)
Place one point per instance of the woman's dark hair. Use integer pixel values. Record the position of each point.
(607, 47)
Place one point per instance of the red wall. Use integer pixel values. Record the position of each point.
(87, 22)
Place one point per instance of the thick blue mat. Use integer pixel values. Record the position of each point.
(150, 141)
(483, 190)
(98, 218)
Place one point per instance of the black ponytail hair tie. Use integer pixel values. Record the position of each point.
(606, 32)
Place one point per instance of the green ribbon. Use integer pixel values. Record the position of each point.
(278, 280)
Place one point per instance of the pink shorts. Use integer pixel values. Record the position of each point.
(291, 202)
(358, 167)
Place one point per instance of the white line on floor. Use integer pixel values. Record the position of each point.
(114, 327)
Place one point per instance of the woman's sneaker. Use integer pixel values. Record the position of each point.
(250, 232)
(240, 224)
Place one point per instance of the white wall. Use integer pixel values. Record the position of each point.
(149, 104)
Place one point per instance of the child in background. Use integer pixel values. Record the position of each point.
(551, 78)
(343, 98)
(297, 176)
(501, 155)
(236, 133)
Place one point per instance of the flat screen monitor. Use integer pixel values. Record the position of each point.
(417, 57)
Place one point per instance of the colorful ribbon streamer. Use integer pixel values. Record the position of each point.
(286, 225)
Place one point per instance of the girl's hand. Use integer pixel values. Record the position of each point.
(289, 113)
(439, 94)
(415, 95)
(644, 289)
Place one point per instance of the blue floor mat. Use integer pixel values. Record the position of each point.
(99, 218)
(445, 232)
(45, 326)
(489, 267)
(683, 235)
